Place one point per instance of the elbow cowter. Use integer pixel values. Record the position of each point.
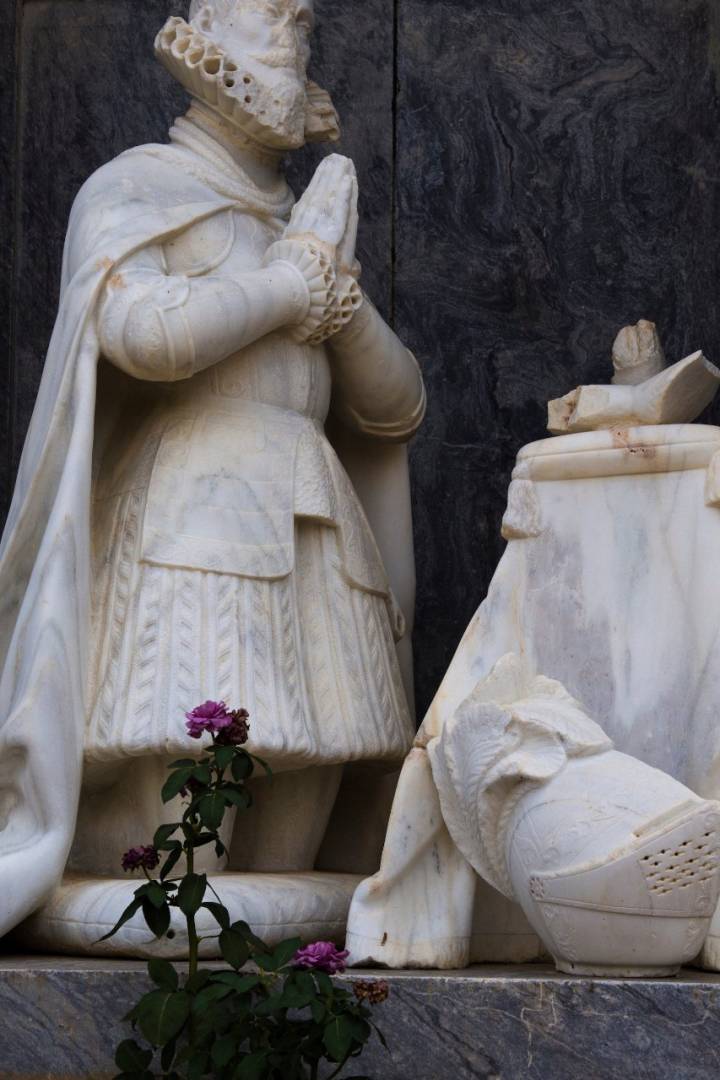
(145, 332)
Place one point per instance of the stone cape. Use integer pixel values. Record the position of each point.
(609, 586)
(45, 561)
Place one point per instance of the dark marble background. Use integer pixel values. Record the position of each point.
(535, 174)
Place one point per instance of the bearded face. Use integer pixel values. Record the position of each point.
(249, 59)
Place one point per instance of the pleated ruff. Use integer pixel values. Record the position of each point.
(311, 657)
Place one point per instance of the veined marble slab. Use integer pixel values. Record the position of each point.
(58, 1019)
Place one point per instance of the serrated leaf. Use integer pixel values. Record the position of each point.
(164, 1015)
(129, 1057)
(242, 767)
(337, 1037)
(234, 948)
(191, 892)
(157, 919)
(175, 783)
(127, 914)
(163, 974)
(219, 914)
(211, 809)
(223, 1051)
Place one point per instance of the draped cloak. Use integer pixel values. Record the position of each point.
(45, 553)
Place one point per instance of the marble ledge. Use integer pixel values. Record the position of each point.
(494, 1023)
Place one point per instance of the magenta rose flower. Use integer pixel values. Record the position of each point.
(212, 717)
(321, 956)
(141, 858)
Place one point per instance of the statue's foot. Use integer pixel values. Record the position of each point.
(313, 906)
(644, 907)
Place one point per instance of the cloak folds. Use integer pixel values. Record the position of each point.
(46, 548)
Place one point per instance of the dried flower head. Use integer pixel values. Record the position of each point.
(374, 991)
(321, 956)
(237, 732)
(141, 858)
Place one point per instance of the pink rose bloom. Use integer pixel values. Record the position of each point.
(321, 956)
(212, 717)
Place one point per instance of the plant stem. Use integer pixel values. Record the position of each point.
(193, 940)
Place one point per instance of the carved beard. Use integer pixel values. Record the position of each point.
(273, 108)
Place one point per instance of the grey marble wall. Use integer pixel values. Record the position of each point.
(535, 174)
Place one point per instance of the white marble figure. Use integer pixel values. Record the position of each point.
(609, 586)
(615, 864)
(182, 528)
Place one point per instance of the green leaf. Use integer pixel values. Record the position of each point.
(234, 948)
(196, 982)
(129, 1057)
(155, 893)
(163, 1015)
(241, 927)
(270, 1005)
(252, 1067)
(241, 798)
(280, 955)
(168, 1055)
(223, 1051)
(191, 892)
(198, 1066)
(209, 995)
(242, 767)
(202, 774)
(240, 983)
(211, 809)
(223, 755)
(204, 838)
(337, 1038)
(260, 761)
(318, 1011)
(175, 782)
(170, 862)
(163, 834)
(158, 919)
(163, 974)
(183, 763)
(126, 915)
(219, 913)
(324, 982)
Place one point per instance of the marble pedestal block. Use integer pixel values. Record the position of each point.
(58, 1019)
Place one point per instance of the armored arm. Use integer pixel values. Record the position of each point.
(163, 326)
(378, 388)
